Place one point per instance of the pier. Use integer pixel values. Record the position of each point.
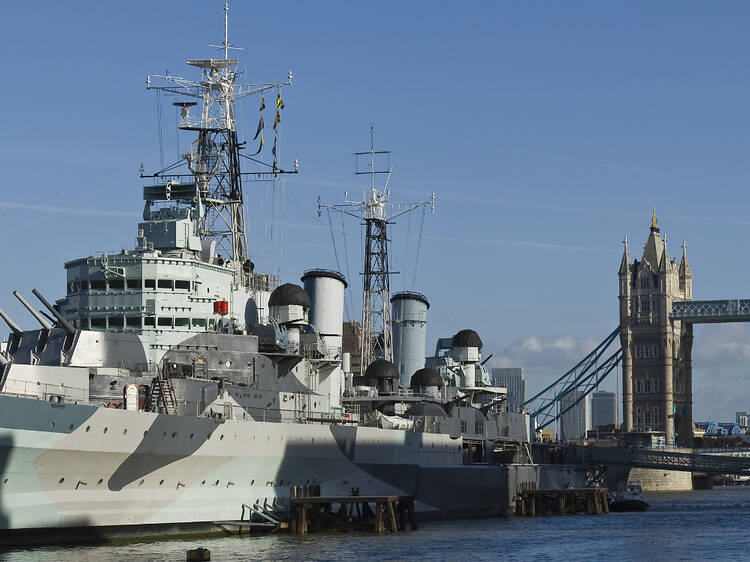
(591, 501)
(352, 513)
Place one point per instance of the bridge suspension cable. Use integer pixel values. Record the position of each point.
(546, 406)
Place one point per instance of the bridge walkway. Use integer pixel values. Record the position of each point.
(711, 463)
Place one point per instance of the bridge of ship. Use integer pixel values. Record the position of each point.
(546, 407)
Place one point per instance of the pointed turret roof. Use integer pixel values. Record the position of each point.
(654, 248)
(625, 263)
(684, 265)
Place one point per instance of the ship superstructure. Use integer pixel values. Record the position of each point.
(174, 386)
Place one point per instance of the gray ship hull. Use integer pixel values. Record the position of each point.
(128, 472)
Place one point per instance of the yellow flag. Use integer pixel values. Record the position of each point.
(277, 120)
(279, 101)
(261, 144)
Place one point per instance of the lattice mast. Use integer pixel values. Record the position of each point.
(376, 211)
(214, 159)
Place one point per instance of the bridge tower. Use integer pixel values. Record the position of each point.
(656, 360)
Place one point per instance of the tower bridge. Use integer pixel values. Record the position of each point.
(657, 313)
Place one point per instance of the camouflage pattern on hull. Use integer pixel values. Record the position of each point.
(82, 466)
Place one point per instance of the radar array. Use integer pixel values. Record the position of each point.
(377, 212)
(214, 158)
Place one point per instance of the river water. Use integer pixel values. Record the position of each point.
(698, 525)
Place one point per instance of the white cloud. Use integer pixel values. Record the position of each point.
(721, 366)
(544, 358)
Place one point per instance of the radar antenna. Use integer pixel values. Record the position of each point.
(214, 158)
(377, 211)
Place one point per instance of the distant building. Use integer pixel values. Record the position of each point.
(742, 420)
(575, 421)
(512, 379)
(603, 409)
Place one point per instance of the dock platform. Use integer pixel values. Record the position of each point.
(591, 501)
(348, 513)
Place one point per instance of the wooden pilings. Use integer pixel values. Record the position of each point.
(346, 513)
(591, 501)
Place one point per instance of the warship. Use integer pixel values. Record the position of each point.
(174, 387)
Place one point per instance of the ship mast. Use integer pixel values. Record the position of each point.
(376, 211)
(214, 158)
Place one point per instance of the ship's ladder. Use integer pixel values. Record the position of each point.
(163, 394)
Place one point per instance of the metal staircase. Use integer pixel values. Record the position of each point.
(162, 394)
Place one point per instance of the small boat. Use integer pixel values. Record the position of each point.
(629, 497)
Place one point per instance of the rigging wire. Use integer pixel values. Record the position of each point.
(346, 258)
(161, 132)
(406, 249)
(419, 247)
(425, 293)
(336, 254)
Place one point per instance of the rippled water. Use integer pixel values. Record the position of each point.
(705, 525)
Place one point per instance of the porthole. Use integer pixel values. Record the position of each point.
(105, 430)
(99, 483)
(141, 482)
(88, 428)
(125, 431)
(313, 439)
(191, 436)
(70, 427)
(164, 434)
(145, 433)
(52, 425)
(5, 481)
(268, 438)
(221, 437)
(251, 481)
(61, 480)
(174, 434)
(217, 483)
(161, 482)
(208, 436)
(203, 483)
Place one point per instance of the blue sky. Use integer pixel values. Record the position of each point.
(547, 130)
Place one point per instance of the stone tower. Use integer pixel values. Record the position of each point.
(656, 351)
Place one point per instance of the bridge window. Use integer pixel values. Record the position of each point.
(182, 322)
(116, 284)
(462, 426)
(115, 322)
(98, 284)
(149, 283)
(164, 283)
(181, 284)
(98, 322)
(134, 283)
(165, 321)
(133, 321)
(199, 322)
(149, 321)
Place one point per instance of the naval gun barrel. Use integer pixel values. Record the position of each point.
(34, 313)
(64, 323)
(12, 325)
